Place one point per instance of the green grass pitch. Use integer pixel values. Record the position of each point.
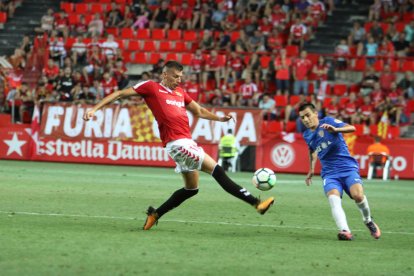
(71, 219)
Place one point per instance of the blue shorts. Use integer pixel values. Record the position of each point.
(341, 183)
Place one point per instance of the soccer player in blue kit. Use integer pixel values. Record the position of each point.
(340, 171)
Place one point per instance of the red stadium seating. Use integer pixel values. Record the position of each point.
(165, 46)
(234, 36)
(3, 17)
(67, 7)
(264, 61)
(281, 101)
(134, 45)
(290, 126)
(294, 99)
(292, 50)
(149, 46)
(190, 35)
(378, 65)
(340, 89)
(127, 33)
(143, 34)
(73, 18)
(154, 58)
(360, 64)
(180, 46)
(407, 65)
(126, 56)
(171, 56)
(186, 58)
(274, 126)
(174, 34)
(158, 34)
(112, 31)
(81, 8)
(97, 8)
(140, 58)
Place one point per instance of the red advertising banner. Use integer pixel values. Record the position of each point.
(282, 156)
(14, 142)
(137, 124)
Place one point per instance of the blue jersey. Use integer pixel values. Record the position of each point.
(331, 149)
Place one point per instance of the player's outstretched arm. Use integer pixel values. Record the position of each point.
(107, 100)
(201, 112)
(312, 158)
(344, 129)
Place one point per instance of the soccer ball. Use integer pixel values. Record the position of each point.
(264, 179)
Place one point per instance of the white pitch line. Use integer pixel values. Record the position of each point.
(193, 221)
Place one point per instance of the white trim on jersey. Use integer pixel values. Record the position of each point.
(139, 84)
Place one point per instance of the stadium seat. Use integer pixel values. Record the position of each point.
(340, 89)
(3, 17)
(359, 129)
(180, 46)
(294, 99)
(154, 58)
(393, 132)
(81, 8)
(143, 34)
(408, 16)
(149, 46)
(66, 7)
(407, 65)
(326, 102)
(97, 8)
(221, 60)
(73, 18)
(174, 34)
(360, 64)
(171, 56)
(127, 33)
(378, 65)
(234, 36)
(291, 126)
(69, 42)
(140, 58)
(395, 65)
(158, 34)
(281, 101)
(126, 56)
(190, 35)
(133, 45)
(112, 31)
(292, 50)
(274, 126)
(186, 58)
(165, 46)
(343, 101)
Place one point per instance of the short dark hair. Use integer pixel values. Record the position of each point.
(307, 105)
(377, 139)
(172, 64)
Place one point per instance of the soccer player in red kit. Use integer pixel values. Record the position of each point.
(168, 103)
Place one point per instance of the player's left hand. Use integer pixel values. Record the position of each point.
(308, 179)
(329, 127)
(226, 118)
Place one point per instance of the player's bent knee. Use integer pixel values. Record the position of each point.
(191, 192)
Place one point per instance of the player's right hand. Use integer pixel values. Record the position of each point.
(308, 179)
(89, 115)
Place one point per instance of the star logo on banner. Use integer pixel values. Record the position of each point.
(15, 145)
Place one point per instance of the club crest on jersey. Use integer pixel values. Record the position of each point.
(178, 94)
(321, 133)
(337, 121)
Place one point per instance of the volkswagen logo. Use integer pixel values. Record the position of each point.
(282, 155)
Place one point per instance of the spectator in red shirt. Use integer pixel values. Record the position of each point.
(61, 24)
(234, 67)
(51, 70)
(301, 68)
(80, 28)
(193, 88)
(282, 66)
(333, 107)
(197, 64)
(349, 111)
(109, 84)
(320, 71)
(248, 93)
(213, 69)
(386, 78)
(183, 17)
(366, 112)
(297, 33)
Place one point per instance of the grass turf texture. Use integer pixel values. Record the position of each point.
(71, 219)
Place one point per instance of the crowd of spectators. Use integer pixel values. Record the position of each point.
(222, 71)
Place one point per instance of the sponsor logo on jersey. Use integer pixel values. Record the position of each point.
(176, 103)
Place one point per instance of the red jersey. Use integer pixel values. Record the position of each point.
(236, 64)
(197, 64)
(302, 68)
(109, 86)
(168, 108)
(248, 90)
(317, 9)
(366, 110)
(351, 108)
(298, 30)
(51, 72)
(193, 90)
(332, 109)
